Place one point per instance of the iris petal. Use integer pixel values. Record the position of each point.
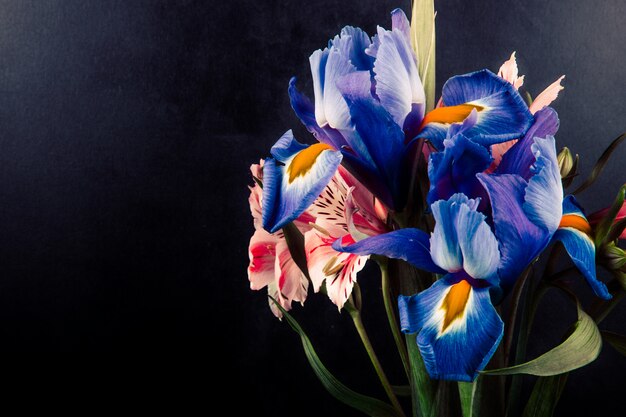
(574, 234)
(408, 244)
(459, 329)
(293, 179)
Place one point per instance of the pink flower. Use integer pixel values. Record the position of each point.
(509, 72)
(345, 209)
(597, 217)
(271, 264)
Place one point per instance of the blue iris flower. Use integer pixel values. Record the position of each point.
(367, 112)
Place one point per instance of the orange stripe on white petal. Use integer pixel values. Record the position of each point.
(547, 96)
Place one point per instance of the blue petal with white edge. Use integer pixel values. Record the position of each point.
(520, 239)
(502, 113)
(407, 244)
(305, 111)
(544, 193)
(454, 170)
(294, 178)
(520, 157)
(381, 140)
(459, 329)
(574, 232)
(462, 240)
(398, 85)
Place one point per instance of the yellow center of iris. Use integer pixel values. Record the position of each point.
(577, 222)
(304, 160)
(455, 302)
(450, 114)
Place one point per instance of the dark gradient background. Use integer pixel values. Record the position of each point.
(126, 133)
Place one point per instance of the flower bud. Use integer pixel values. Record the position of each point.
(566, 162)
(613, 257)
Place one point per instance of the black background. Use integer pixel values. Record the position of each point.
(126, 133)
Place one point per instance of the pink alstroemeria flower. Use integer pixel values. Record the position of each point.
(345, 209)
(597, 217)
(271, 264)
(509, 72)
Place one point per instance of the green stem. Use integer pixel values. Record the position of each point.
(358, 324)
(391, 315)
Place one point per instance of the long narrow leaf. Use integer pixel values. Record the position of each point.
(423, 41)
(422, 389)
(579, 349)
(545, 396)
(599, 166)
(618, 341)
(368, 405)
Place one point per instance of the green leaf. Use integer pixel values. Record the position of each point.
(295, 243)
(602, 230)
(545, 396)
(470, 393)
(368, 405)
(422, 387)
(581, 348)
(402, 390)
(616, 340)
(423, 41)
(599, 167)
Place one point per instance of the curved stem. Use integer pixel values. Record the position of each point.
(391, 315)
(358, 324)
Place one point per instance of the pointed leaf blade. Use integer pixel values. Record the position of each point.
(368, 405)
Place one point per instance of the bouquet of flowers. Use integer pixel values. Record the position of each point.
(460, 198)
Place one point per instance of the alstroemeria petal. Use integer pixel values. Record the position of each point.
(398, 84)
(262, 253)
(459, 329)
(411, 245)
(547, 96)
(520, 157)
(574, 233)
(502, 113)
(290, 280)
(520, 239)
(544, 193)
(294, 178)
(509, 72)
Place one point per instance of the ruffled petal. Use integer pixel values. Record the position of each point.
(520, 157)
(574, 232)
(520, 239)
(454, 170)
(398, 85)
(509, 72)
(547, 96)
(339, 270)
(502, 113)
(293, 179)
(291, 282)
(411, 245)
(381, 141)
(459, 329)
(544, 194)
(305, 111)
(262, 254)
(462, 240)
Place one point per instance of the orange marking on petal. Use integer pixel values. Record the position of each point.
(305, 159)
(455, 302)
(577, 222)
(450, 114)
